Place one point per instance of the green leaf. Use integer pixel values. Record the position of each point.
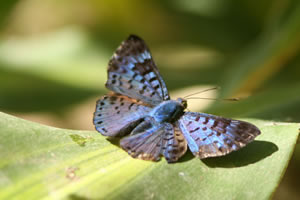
(41, 162)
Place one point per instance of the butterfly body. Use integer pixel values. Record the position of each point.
(167, 111)
(140, 107)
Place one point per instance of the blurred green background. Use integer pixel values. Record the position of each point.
(54, 54)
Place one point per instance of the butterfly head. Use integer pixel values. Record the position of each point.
(182, 102)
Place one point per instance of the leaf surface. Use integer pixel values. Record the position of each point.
(41, 162)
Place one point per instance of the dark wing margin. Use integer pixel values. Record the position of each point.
(117, 115)
(211, 136)
(132, 72)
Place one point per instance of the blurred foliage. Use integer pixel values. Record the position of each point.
(53, 56)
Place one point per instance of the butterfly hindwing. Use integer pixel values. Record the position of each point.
(176, 145)
(210, 136)
(149, 140)
(117, 115)
(132, 72)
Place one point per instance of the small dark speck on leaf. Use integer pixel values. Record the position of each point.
(71, 173)
(81, 141)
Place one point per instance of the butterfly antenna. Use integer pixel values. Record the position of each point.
(227, 99)
(209, 89)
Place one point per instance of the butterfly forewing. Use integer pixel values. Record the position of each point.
(117, 115)
(210, 136)
(132, 72)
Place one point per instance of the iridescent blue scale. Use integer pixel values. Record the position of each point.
(139, 106)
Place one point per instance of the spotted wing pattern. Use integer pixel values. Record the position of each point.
(149, 141)
(210, 136)
(117, 115)
(133, 73)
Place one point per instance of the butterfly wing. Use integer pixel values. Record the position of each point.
(117, 115)
(150, 140)
(210, 136)
(133, 73)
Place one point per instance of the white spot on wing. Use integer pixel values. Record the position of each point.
(151, 74)
(130, 65)
(140, 59)
(154, 83)
(146, 55)
(132, 59)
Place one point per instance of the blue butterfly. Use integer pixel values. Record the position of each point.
(140, 105)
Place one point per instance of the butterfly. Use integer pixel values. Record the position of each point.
(139, 107)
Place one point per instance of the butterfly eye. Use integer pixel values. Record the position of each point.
(184, 103)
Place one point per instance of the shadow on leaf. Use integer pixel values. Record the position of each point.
(186, 157)
(114, 141)
(77, 197)
(252, 153)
